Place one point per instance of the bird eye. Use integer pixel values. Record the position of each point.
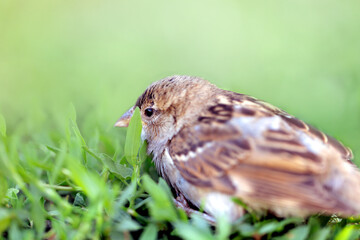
(149, 112)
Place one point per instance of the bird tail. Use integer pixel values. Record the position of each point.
(349, 190)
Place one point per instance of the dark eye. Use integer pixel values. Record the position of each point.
(149, 112)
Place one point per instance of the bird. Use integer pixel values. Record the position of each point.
(213, 146)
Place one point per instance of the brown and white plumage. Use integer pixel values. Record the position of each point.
(212, 145)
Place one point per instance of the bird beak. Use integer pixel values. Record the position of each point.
(125, 118)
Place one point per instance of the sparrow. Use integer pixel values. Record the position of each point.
(213, 145)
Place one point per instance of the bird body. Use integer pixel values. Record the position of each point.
(212, 145)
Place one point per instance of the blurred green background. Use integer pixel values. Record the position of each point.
(303, 56)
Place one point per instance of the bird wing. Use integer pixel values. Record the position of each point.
(250, 149)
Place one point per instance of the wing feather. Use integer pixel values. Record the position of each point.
(250, 149)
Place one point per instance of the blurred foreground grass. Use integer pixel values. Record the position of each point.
(68, 175)
(75, 190)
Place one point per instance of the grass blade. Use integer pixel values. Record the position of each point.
(133, 138)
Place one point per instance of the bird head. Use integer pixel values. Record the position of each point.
(168, 105)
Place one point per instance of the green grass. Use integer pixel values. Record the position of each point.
(87, 188)
(69, 69)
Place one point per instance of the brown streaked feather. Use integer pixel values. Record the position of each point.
(300, 125)
(284, 191)
(277, 166)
